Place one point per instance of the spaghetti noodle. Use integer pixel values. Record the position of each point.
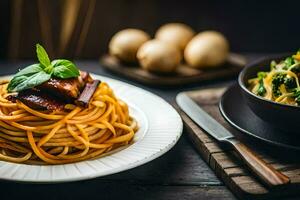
(71, 135)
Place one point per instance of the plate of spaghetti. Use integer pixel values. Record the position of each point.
(60, 124)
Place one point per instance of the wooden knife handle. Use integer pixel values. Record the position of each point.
(268, 174)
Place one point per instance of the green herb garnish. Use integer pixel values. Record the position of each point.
(273, 64)
(261, 90)
(288, 62)
(296, 95)
(37, 74)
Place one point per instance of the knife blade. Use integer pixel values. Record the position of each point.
(202, 118)
(265, 172)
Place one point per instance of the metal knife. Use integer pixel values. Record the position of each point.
(266, 173)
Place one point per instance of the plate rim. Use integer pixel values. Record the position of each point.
(146, 159)
(234, 125)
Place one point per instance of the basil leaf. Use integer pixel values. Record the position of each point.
(42, 56)
(31, 69)
(22, 75)
(15, 82)
(64, 72)
(58, 62)
(27, 81)
(64, 69)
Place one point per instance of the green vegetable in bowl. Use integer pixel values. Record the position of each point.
(288, 62)
(296, 95)
(36, 74)
(277, 80)
(290, 82)
(261, 90)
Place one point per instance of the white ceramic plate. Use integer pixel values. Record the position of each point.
(160, 128)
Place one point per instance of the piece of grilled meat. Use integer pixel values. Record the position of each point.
(53, 94)
(67, 89)
(39, 100)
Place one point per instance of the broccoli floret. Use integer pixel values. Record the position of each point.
(261, 90)
(261, 75)
(296, 95)
(289, 61)
(277, 80)
(290, 82)
(273, 64)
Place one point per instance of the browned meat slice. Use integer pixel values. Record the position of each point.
(67, 89)
(85, 77)
(39, 101)
(12, 98)
(87, 93)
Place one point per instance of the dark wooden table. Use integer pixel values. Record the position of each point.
(179, 174)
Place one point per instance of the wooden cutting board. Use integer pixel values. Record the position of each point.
(182, 76)
(227, 164)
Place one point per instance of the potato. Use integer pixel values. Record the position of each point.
(125, 44)
(159, 56)
(175, 33)
(208, 49)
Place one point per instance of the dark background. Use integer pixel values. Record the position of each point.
(251, 26)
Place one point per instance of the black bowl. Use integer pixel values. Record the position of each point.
(280, 115)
